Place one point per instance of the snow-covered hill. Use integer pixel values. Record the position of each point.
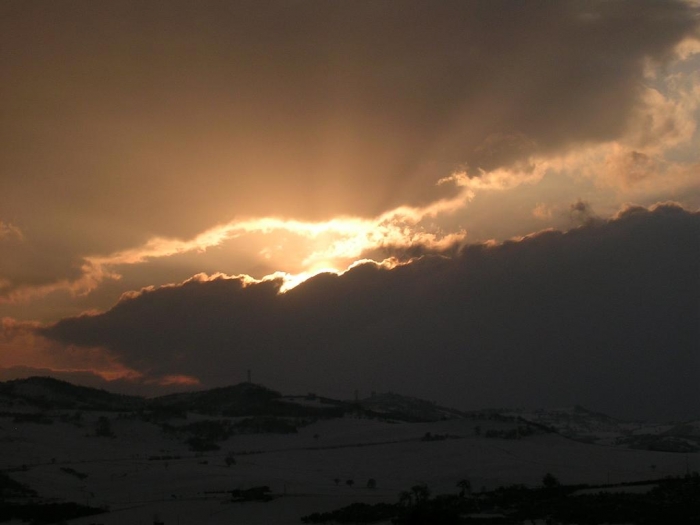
(593, 427)
(183, 465)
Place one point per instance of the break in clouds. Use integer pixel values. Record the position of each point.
(129, 122)
(605, 315)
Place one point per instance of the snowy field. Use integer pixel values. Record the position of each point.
(307, 471)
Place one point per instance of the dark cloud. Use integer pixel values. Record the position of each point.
(581, 212)
(605, 315)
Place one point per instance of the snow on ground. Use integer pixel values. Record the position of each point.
(627, 489)
(309, 471)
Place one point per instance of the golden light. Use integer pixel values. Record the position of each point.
(298, 250)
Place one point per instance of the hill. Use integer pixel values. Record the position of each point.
(403, 408)
(584, 425)
(50, 393)
(248, 454)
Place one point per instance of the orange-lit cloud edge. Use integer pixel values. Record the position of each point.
(335, 245)
(343, 241)
(633, 165)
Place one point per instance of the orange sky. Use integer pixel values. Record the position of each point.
(147, 143)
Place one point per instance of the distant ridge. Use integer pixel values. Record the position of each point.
(243, 399)
(405, 408)
(588, 426)
(235, 400)
(253, 400)
(48, 392)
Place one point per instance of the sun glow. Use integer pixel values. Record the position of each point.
(288, 280)
(296, 250)
(324, 246)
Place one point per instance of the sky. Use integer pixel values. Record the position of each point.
(485, 203)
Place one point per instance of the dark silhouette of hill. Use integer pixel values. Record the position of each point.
(47, 393)
(243, 399)
(403, 408)
(248, 399)
(253, 400)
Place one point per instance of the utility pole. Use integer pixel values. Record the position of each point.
(249, 376)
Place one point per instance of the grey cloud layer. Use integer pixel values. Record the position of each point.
(123, 120)
(604, 315)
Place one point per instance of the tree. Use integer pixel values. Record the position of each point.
(465, 487)
(421, 493)
(371, 483)
(550, 482)
(350, 482)
(406, 498)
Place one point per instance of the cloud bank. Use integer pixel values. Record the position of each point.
(605, 315)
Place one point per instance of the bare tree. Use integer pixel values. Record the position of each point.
(465, 487)
(421, 493)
